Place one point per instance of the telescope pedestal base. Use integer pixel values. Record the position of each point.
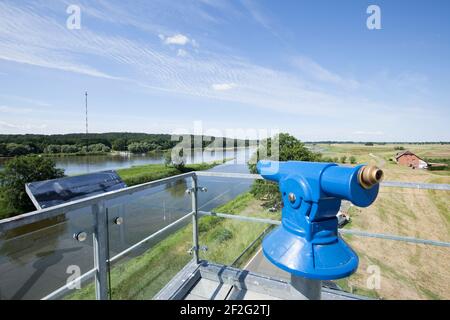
(307, 289)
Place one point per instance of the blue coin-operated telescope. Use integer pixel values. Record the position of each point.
(307, 243)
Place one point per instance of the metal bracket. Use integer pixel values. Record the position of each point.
(201, 189)
(80, 236)
(201, 248)
(118, 221)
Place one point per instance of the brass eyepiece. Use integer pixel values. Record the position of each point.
(368, 176)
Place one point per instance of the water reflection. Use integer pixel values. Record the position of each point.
(43, 261)
(177, 189)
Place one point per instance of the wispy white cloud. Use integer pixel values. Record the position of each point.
(318, 72)
(14, 110)
(26, 100)
(178, 39)
(257, 14)
(22, 126)
(223, 86)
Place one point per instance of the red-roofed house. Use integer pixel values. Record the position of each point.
(407, 158)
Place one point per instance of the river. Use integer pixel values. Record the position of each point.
(36, 260)
(73, 164)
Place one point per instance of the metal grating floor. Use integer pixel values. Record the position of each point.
(208, 281)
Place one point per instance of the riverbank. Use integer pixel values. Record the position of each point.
(150, 172)
(143, 276)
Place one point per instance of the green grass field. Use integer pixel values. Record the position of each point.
(408, 271)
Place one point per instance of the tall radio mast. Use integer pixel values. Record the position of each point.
(87, 131)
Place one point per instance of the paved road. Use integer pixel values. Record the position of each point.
(260, 264)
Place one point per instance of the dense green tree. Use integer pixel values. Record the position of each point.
(95, 148)
(3, 150)
(120, 144)
(139, 147)
(21, 170)
(53, 148)
(289, 148)
(68, 148)
(16, 149)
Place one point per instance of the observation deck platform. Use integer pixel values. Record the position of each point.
(209, 281)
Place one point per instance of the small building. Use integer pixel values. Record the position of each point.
(407, 158)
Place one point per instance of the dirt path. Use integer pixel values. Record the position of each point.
(380, 161)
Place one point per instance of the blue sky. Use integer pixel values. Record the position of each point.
(310, 68)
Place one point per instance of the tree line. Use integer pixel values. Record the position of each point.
(78, 143)
(376, 143)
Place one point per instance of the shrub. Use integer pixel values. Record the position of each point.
(178, 163)
(343, 159)
(352, 160)
(22, 170)
(52, 148)
(139, 147)
(68, 148)
(206, 224)
(96, 148)
(120, 145)
(220, 235)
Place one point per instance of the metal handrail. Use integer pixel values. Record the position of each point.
(343, 231)
(98, 204)
(392, 184)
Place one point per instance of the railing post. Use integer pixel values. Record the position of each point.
(194, 197)
(100, 244)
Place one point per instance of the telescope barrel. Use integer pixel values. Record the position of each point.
(358, 184)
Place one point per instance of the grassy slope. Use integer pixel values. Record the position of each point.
(141, 174)
(407, 271)
(143, 276)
